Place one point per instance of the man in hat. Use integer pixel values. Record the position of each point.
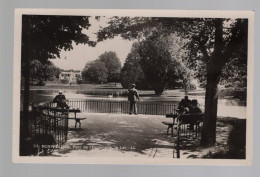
(184, 105)
(133, 97)
(60, 99)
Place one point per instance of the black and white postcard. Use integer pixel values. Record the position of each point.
(133, 87)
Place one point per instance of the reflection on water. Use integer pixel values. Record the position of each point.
(226, 107)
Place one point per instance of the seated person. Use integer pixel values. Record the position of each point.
(60, 99)
(194, 109)
(184, 105)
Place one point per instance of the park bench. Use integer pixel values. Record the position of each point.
(75, 111)
(77, 119)
(183, 119)
(170, 124)
(186, 122)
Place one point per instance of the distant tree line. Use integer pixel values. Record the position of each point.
(154, 63)
(104, 69)
(40, 73)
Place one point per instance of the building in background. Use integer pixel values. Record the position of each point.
(71, 76)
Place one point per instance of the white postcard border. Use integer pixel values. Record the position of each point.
(126, 12)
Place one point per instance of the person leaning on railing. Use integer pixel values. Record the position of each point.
(60, 99)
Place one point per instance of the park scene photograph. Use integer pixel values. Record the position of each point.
(133, 87)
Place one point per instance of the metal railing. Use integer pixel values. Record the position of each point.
(188, 128)
(49, 127)
(121, 106)
(53, 121)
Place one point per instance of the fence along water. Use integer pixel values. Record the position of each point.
(120, 106)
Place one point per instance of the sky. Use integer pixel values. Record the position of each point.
(81, 54)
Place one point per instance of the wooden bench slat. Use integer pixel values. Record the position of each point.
(167, 123)
(171, 115)
(191, 118)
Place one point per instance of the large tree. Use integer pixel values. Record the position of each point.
(157, 62)
(215, 42)
(113, 65)
(132, 71)
(43, 38)
(95, 71)
(212, 42)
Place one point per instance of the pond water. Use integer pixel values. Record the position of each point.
(226, 107)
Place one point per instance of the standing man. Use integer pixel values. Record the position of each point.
(133, 97)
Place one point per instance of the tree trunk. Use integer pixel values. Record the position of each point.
(208, 136)
(25, 121)
(158, 87)
(214, 69)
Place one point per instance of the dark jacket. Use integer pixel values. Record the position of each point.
(195, 110)
(59, 98)
(185, 103)
(133, 95)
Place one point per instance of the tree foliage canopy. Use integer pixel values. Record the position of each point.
(95, 72)
(42, 72)
(158, 62)
(112, 64)
(198, 33)
(44, 36)
(132, 71)
(106, 68)
(154, 62)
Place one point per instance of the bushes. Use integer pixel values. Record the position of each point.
(41, 83)
(237, 140)
(236, 148)
(240, 94)
(64, 81)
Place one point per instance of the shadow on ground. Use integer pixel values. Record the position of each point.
(120, 135)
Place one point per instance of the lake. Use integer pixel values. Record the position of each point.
(226, 107)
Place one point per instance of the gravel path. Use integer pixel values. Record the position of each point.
(121, 135)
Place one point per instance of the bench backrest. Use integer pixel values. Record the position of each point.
(191, 118)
